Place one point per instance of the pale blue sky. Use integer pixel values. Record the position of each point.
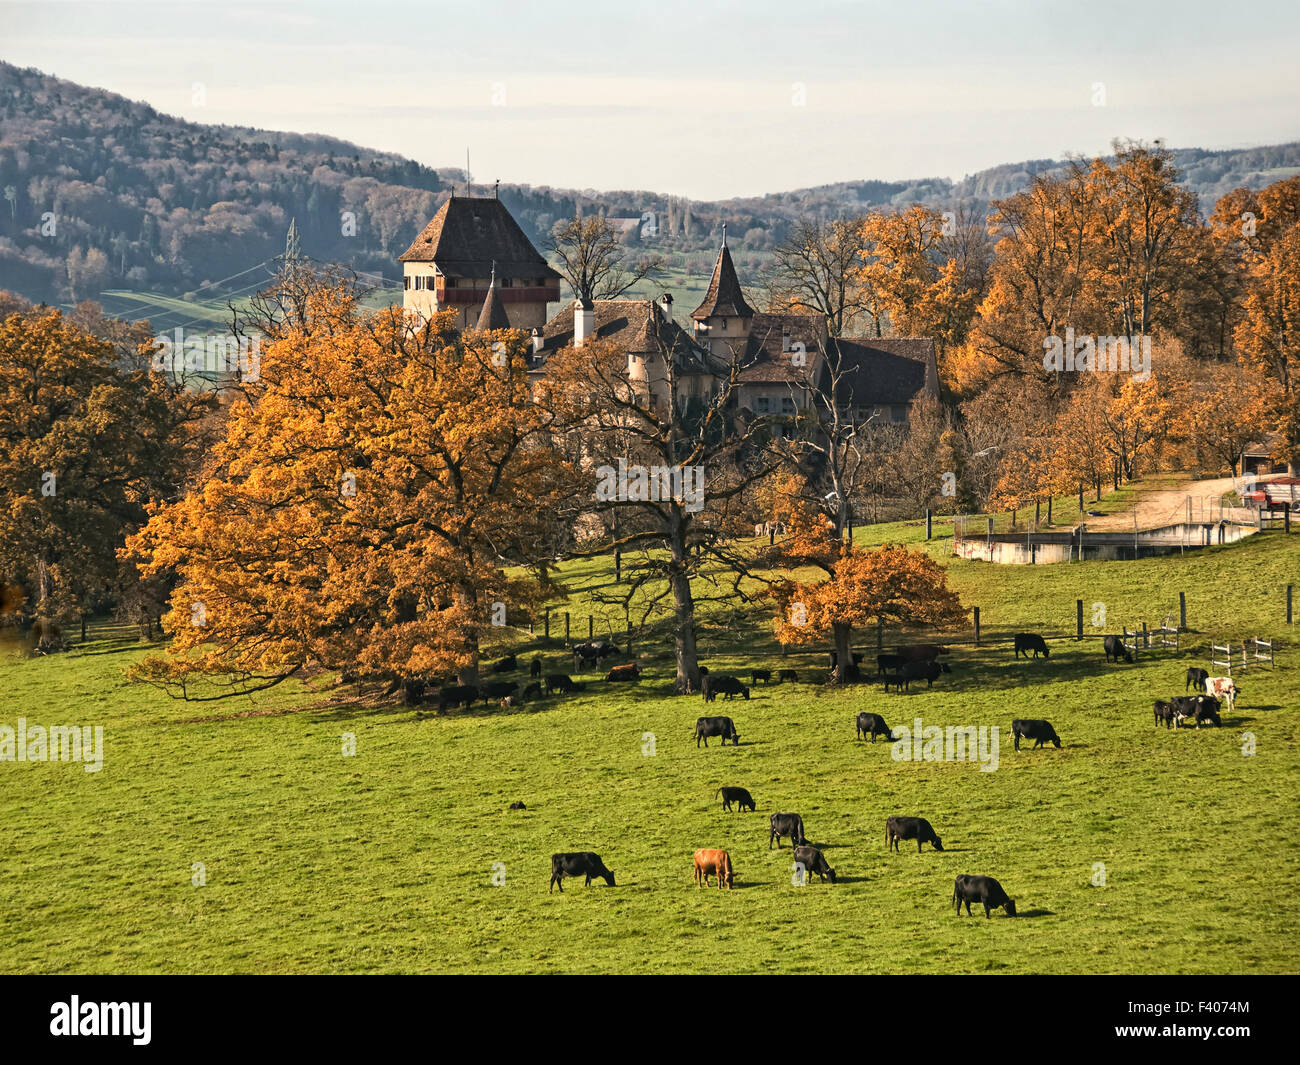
(697, 98)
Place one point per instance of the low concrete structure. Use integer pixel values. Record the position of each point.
(1037, 548)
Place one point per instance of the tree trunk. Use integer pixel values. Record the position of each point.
(679, 580)
(845, 670)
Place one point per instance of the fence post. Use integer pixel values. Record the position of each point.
(629, 636)
(977, 626)
(1078, 619)
(990, 528)
(590, 627)
(1182, 611)
(548, 623)
(566, 626)
(1146, 637)
(1286, 520)
(880, 633)
(928, 522)
(1288, 604)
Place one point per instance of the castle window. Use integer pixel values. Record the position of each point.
(787, 406)
(406, 282)
(451, 282)
(763, 405)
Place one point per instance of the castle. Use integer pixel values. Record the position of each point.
(473, 258)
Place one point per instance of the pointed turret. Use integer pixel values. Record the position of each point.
(493, 314)
(724, 298)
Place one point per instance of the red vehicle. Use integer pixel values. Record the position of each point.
(1281, 494)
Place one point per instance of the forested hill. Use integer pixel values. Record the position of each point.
(101, 192)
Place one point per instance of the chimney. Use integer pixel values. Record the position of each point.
(538, 340)
(584, 321)
(785, 340)
(666, 306)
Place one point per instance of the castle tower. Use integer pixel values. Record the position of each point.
(473, 247)
(723, 319)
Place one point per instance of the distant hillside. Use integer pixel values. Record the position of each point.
(146, 202)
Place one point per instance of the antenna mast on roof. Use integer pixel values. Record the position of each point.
(468, 187)
(724, 234)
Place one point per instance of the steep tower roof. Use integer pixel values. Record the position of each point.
(724, 298)
(469, 233)
(493, 314)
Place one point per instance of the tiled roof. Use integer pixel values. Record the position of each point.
(889, 370)
(493, 314)
(636, 325)
(724, 297)
(469, 234)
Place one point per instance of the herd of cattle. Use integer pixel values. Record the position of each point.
(897, 669)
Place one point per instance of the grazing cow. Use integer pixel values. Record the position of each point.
(1223, 688)
(727, 686)
(562, 682)
(1040, 731)
(786, 825)
(813, 861)
(742, 798)
(520, 806)
(1196, 678)
(498, 689)
(983, 889)
(1114, 647)
(928, 671)
(535, 670)
(921, 652)
(788, 674)
(704, 671)
(1205, 708)
(630, 672)
(873, 725)
(1031, 641)
(534, 690)
(457, 695)
(714, 863)
(507, 665)
(578, 863)
(888, 664)
(765, 675)
(592, 652)
(1166, 713)
(917, 828)
(716, 726)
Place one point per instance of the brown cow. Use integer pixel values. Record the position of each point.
(629, 672)
(715, 862)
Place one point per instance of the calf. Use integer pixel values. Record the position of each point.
(742, 798)
(1114, 648)
(498, 689)
(765, 675)
(1222, 688)
(562, 682)
(728, 686)
(813, 861)
(1166, 713)
(578, 863)
(786, 825)
(521, 806)
(873, 725)
(534, 690)
(506, 665)
(1030, 641)
(714, 863)
(788, 674)
(535, 670)
(917, 828)
(983, 889)
(888, 664)
(629, 672)
(1196, 678)
(1040, 731)
(457, 695)
(716, 726)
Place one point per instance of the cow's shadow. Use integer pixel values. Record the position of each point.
(1035, 913)
(851, 879)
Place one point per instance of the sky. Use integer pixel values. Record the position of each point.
(707, 99)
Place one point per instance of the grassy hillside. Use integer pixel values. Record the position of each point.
(384, 861)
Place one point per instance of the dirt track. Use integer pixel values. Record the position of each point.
(1169, 505)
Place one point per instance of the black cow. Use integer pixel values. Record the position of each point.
(1166, 713)
(535, 669)
(742, 798)
(788, 674)
(921, 652)
(1198, 708)
(786, 825)
(765, 675)
(521, 806)
(728, 686)
(813, 861)
(873, 725)
(1040, 731)
(888, 663)
(835, 659)
(1031, 641)
(457, 695)
(507, 665)
(592, 652)
(498, 689)
(928, 671)
(1114, 647)
(917, 828)
(1196, 678)
(579, 863)
(562, 682)
(716, 726)
(983, 889)
(533, 690)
